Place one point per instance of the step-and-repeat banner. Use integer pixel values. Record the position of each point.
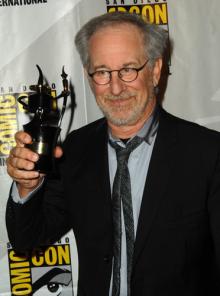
(41, 32)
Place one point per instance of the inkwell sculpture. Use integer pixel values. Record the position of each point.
(45, 126)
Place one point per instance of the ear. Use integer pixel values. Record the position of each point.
(86, 74)
(89, 79)
(157, 71)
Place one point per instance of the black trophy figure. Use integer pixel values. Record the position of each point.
(44, 128)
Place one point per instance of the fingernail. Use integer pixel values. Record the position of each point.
(36, 174)
(35, 157)
(27, 139)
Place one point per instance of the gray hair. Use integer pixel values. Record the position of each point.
(154, 37)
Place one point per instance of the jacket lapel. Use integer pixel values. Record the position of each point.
(97, 164)
(101, 158)
(156, 181)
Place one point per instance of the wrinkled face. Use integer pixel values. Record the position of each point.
(113, 48)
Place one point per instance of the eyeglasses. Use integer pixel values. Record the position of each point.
(126, 74)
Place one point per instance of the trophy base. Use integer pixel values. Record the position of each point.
(44, 139)
(45, 163)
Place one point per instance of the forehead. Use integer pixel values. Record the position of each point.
(116, 44)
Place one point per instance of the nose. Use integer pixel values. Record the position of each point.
(116, 84)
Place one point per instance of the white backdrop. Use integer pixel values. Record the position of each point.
(43, 34)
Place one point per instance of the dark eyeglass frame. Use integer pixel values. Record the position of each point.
(119, 73)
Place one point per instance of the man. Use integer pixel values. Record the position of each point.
(140, 188)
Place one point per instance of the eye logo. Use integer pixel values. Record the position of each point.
(47, 272)
(54, 282)
(53, 287)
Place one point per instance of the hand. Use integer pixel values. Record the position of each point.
(21, 162)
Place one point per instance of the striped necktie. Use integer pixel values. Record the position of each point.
(121, 191)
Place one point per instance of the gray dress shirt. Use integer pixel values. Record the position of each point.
(138, 164)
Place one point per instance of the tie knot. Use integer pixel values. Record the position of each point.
(123, 153)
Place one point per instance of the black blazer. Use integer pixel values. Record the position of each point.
(177, 248)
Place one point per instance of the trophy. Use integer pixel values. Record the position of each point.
(45, 126)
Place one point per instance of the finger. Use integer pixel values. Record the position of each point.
(30, 185)
(26, 178)
(22, 138)
(23, 153)
(20, 169)
(15, 165)
(22, 164)
(58, 152)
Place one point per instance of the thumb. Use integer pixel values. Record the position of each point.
(58, 152)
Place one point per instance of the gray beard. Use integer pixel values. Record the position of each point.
(134, 117)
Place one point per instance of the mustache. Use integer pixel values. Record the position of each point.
(122, 96)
